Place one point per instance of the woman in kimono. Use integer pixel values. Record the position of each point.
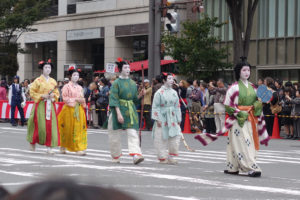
(245, 117)
(42, 124)
(167, 115)
(72, 119)
(122, 99)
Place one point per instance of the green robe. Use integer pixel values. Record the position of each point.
(124, 94)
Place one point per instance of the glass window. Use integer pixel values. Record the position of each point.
(230, 34)
(209, 7)
(217, 14)
(281, 18)
(223, 19)
(271, 16)
(262, 19)
(291, 18)
(298, 19)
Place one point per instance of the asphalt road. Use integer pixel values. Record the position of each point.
(199, 175)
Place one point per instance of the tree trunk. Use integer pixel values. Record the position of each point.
(241, 45)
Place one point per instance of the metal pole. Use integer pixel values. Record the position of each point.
(151, 40)
(157, 42)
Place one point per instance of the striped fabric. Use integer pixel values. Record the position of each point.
(232, 99)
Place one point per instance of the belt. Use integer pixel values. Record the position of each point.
(129, 104)
(254, 121)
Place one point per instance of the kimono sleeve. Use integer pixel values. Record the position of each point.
(156, 109)
(230, 105)
(114, 100)
(34, 90)
(66, 96)
(56, 92)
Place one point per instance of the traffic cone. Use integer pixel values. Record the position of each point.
(276, 132)
(226, 117)
(187, 123)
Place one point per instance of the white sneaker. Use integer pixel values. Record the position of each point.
(137, 159)
(116, 160)
(81, 153)
(50, 151)
(32, 147)
(62, 150)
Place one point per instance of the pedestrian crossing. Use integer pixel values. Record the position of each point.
(19, 163)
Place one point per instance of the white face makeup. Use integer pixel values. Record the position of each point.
(75, 77)
(170, 81)
(46, 70)
(245, 73)
(125, 70)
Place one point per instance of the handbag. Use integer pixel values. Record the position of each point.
(275, 109)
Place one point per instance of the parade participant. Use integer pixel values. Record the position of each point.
(245, 111)
(42, 124)
(16, 98)
(72, 119)
(122, 99)
(167, 115)
(246, 124)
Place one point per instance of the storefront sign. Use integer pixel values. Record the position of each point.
(40, 37)
(84, 34)
(131, 30)
(110, 68)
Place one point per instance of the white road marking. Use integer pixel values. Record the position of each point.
(26, 174)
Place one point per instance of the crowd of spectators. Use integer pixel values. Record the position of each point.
(202, 101)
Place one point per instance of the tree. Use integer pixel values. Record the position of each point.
(195, 49)
(241, 45)
(17, 17)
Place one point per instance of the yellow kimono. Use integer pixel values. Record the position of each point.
(42, 124)
(72, 119)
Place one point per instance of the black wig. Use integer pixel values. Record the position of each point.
(239, 66)
(43, 63)
(120, 64)
(72, 69)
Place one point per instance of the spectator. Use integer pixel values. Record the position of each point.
(296, 86)
(260, 82)
(286, 110)
(269, 82)
(156, 85)
(16, 98)
(219, 108)
(3, 92)
(210, 126)
(60, 86)
(103, 101)
(66, 81)
(183, 102)
(196, 97)
(279, 88)
(296, 112)
(147, 104)
(26, 90)
(94, 95)
(189, 90)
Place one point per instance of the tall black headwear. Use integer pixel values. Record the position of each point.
(120, 64)
(239, 66)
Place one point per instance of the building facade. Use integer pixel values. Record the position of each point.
(275, 39)
(86, 33)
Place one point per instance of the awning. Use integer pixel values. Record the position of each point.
(137, 66)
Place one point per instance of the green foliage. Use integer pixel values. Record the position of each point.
(17, 17)
(195, 49)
